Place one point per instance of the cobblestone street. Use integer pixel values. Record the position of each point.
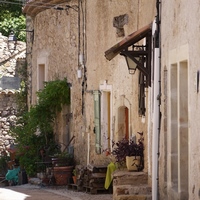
(33, 192)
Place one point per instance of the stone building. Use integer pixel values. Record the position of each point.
(11, 59)
(179, 135)
(83, 41)
(76, 40)
(70, 40)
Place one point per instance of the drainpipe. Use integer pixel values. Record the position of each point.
(156, 128)
(156, 105)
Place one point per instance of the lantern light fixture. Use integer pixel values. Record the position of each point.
(12, 41)
(13, 38)
(138, 58)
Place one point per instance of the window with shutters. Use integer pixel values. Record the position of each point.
(106, 120)
(106, 117)
(97, 120)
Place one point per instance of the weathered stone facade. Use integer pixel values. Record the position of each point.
(59, 32)
(59, 37)
(10, 60)
(180, 138)
(70, 42)
(7, 118)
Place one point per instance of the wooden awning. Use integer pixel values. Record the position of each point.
(128, 41)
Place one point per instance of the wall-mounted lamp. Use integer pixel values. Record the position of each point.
(12, 41)
(139, 58)
(12, 37)
(132, 64)
(31, 34)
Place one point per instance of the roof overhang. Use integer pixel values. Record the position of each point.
(128, 41)
(33, 7)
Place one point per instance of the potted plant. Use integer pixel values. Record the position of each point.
(62, 159)
(130, 152)
(74, 175)
(63, 165)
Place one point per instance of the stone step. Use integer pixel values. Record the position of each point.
(133, 197)
(125, 177)
(132, 190)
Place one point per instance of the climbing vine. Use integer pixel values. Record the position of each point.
(35, 128)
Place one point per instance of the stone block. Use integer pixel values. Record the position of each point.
(133, 197)
(124, 177)
(132, 190)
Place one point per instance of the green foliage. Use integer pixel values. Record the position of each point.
(11, 18)
(13, 9)
(16, 24)
(34, 129)
(55, 94)
(74, 172)
(63, 159)
(3, 164)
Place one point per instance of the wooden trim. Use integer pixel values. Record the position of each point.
(128, 41)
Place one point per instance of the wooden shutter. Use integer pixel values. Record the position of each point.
(97, 122)
(141, 108)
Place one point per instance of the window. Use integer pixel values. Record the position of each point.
(105, 119)
(123, 123)
(41, 76)
(174, 126)
(42, 71)
(178, 139)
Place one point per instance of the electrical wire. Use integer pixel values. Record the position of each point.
(45, 5)
(22, 4)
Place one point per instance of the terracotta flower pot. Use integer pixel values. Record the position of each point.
(62, 174)
(74, 179)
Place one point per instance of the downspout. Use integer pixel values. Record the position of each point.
(156, 103)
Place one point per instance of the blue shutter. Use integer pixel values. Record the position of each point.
(97, 122)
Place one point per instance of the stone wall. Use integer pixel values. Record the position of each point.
(7, 118)
(60, 36)
(10, 61)
(180, 138)
(8, 57)
(55, 46)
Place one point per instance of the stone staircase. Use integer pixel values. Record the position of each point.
(131, 186)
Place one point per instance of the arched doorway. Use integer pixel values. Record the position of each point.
(123, 122)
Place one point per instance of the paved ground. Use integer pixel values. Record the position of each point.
(33, 192)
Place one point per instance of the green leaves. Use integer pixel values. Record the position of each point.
(11, 18)
(42, 115)
(55, 94)
(16, 24)
(12, 8)
(34, 129)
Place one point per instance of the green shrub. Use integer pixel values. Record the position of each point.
(35, 128)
